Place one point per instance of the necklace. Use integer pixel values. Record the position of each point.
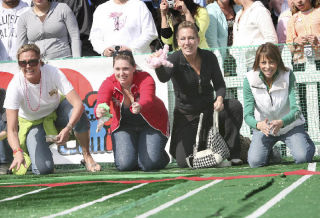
(27, 97)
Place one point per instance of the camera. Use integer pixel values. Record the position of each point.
(170, 3)
(116, 48)
(308, 51)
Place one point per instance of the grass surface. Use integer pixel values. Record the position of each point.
(229, 198)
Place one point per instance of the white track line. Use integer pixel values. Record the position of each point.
(170, 203)
(264, 208)
(28, 193)
(93, 202)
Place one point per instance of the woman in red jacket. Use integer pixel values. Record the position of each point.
(140, 126)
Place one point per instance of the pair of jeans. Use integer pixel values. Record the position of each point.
(297, 139)
(5, 150)
(38, 148)
(139, 147)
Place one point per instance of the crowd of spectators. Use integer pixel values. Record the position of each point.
(95, 27)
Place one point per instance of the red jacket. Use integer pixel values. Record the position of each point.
(153, 109)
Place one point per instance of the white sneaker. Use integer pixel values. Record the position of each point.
(4, 168)
(224, 163)
(236, 162)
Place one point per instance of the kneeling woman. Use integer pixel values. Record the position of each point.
(195, 76)
(270, 108)
(140, 126)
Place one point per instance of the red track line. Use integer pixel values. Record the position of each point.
(297, 172)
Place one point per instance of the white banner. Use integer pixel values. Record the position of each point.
(86, 75)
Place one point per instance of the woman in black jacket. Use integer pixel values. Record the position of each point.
(195, 76)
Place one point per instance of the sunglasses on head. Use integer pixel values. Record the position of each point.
(32, 63)
(124, 52)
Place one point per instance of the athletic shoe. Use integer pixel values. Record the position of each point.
(4, 168)
(224, 163)
(236, 162)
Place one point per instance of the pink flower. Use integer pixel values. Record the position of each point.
(115, 14)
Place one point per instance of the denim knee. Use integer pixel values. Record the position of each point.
(259, 149)
(44, 168)
(125, 165)
(255, 162)
(64, 112)
(155, 165)
(83, 125)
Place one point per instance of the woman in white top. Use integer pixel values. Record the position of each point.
(35, 100)
(253, 26)
(123, 23)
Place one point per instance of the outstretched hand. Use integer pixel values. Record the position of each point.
(159, 58)
(17, 161)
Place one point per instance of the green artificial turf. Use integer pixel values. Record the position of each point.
(229, 198)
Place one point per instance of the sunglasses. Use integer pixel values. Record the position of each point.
(124, 52)
(32, 63)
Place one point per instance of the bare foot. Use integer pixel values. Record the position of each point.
(90, 164)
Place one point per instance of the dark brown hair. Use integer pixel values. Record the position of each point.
(270, 51)
(190, 4)
(124, 55)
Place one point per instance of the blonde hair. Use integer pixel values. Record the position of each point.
(185, 25)
(28, 47)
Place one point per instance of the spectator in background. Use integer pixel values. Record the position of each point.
(5, 150)
(304, 31)
(222, 15)
(124, 23)
(271, 109)
(202, 3)
(182, 10)
(274, 7)
(10, 12)
(53, 27)
(253, 26)
(283, 23)
(83, 13)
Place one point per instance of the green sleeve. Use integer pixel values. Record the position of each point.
(294, 107)
(249, 105)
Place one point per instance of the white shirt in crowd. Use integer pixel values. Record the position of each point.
(8, 30)
(130, 24)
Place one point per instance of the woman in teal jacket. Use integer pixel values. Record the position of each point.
(222, 14)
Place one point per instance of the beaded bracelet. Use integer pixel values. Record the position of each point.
(16, 150)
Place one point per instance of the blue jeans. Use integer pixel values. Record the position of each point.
(139, 147)
(38, 148)
(5, 150)
(298, 141)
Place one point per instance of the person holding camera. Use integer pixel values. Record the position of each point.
(272, 111)
(123, 23)
(303, 31)
(173, 12)
(140, 124)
